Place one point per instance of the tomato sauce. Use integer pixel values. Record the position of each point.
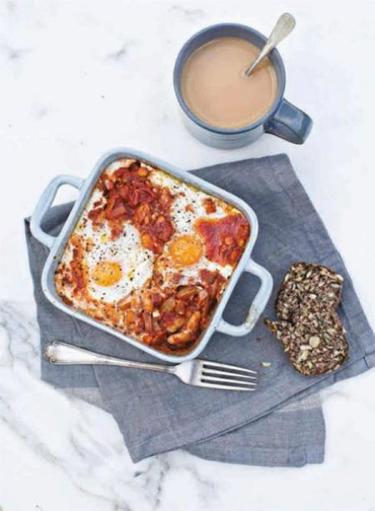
(225, 238)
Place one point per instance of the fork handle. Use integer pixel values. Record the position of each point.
(61, 353)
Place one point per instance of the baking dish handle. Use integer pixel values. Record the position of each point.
(258, 305)
(45, 202)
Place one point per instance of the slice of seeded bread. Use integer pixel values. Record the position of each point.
(308, 282)
(314, 346)
(308, 326)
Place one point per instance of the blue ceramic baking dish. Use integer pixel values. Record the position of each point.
(85, 187)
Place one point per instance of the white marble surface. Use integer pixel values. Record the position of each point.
(78, 78)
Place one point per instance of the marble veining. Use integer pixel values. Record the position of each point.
(118, 54)
(91, 448)
(188, 14)
(78, 78)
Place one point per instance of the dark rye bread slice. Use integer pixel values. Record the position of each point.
(308, 326)
(315, 344)
(305, 282)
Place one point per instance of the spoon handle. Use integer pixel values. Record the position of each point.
(283, 27)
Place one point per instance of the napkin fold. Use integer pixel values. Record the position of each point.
(281, 423)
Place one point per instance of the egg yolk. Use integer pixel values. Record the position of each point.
(186, 250)
(107, 273)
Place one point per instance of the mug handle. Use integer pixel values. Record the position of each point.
(289, 123)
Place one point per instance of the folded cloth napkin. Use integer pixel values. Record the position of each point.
(278, 424)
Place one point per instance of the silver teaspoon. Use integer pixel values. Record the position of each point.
(283, 27)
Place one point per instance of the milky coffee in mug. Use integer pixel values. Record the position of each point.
(221, 107)
(217, 91)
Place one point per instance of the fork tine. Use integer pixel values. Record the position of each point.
(228, 373)
(214, 365)
(225, 387)
(214, 379)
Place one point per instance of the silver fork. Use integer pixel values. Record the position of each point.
(201, 373)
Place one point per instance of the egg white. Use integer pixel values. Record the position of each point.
(118, 164)
(187, 196)
(190, 274)
(135, 261)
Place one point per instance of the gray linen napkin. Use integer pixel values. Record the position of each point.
(280, 423)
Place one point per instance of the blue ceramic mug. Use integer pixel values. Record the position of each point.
(283, 119)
